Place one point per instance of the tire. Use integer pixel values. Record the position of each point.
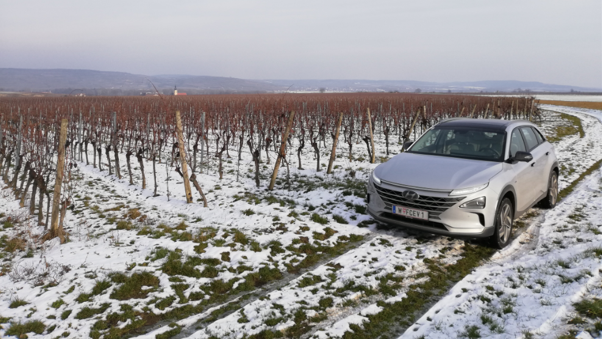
(552, 197)
(504, 219)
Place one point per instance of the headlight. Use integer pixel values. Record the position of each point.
(478, 203)
(375, 178)
(469, 190)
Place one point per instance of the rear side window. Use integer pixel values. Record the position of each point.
(538, 136)
(516, 143)
(529, 137)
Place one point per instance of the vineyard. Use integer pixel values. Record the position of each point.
(100, 129)
(103, 236)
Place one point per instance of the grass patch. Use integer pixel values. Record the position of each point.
(328, 232)
(133, 213)
(339, 219)
(309, 281)
(165, 303)
(403, 313)
(66, 314)
(589, 308)
(17, 303)
(57, 303)
(580, 104)
(315, 217)
(573, 126)
(88, 312)
(570, 188)
(171, 333)
(15, 244)
(359, 209)
(124, 225)
(132, 286)
(129, 320)
(20, 330)
(471, 332)
(313, 253)
(98, 289)
(240, 237)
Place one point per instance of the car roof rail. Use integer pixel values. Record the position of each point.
(451, 119)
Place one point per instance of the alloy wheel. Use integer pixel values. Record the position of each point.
(553, 189)
(505, 225)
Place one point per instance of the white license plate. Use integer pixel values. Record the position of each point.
(410, 212)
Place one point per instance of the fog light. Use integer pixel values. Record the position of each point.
(478, 203)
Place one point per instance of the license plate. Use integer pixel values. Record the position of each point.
(410, 212)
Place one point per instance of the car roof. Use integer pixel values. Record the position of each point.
(480, 124)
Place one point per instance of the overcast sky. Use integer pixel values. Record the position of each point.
(552, 41)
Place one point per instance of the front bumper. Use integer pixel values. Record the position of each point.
(445, 215)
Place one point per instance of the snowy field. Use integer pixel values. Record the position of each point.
(569, 97)
(303, 260)
(559, 97)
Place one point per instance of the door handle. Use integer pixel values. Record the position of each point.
(533, 164)
(547, 153)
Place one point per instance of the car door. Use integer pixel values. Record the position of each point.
(522, 172)
(539, 162)
(547, 149)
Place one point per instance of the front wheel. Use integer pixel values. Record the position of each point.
(504, 218)
(552, 197)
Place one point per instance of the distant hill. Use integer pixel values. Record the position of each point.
(120, 83)
(91, 82)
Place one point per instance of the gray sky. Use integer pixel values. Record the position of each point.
(552, 41)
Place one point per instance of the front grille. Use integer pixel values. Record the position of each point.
(434, 205)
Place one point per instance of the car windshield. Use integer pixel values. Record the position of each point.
(461, 143)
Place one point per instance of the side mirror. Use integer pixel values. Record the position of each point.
(407, 145)
(523, 156)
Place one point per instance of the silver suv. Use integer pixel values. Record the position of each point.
(466, 178)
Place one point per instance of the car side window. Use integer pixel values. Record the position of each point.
(538, 136)
(529, 138)
(516, 143)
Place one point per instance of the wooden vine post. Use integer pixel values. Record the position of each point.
(114, 139)
(55, 230)
(334, 144)
(1, 130)
(183, 158)
(19, 142)
(473, 109)
(282, 150)
(371, 137)
(412, 127)
(202, 141)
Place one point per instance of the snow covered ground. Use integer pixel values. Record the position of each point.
(530, 293)
(534, 291)
(304, 260)
(559, 97)
(569, 97)
(581, 153)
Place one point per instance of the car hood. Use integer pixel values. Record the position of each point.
(436, 172)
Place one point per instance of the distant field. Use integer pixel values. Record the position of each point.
(580, 104)
(570, 97)
(27, 94)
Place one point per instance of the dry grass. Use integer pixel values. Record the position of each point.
(580, 104)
